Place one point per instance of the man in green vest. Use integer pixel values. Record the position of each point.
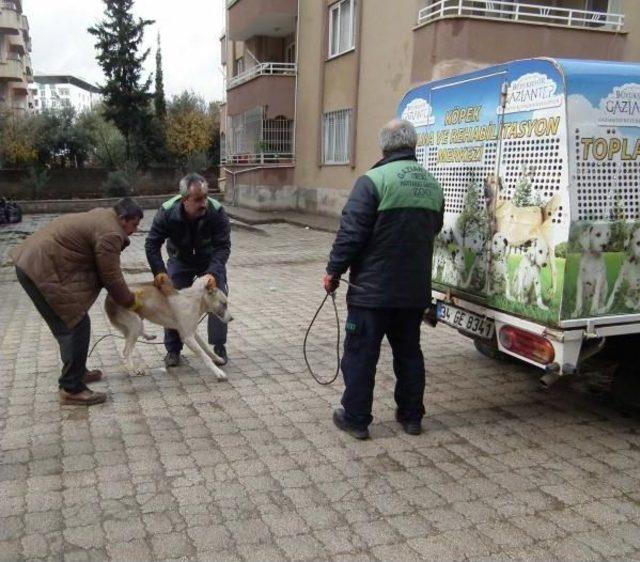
(197, 231)
(385, 240)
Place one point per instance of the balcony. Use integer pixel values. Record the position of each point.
(16, 44)
(519, 12)
(20, 89)
(254, 140)
(271, 18)
(10, 19)
(11, 70)
(263, 69)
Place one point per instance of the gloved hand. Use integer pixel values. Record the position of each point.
(137, 302)
(330, 283)
(163, 282)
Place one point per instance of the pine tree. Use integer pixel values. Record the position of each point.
(125, 95)
(159, 99)
(523, 195)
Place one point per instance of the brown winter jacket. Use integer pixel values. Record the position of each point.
(72, 258)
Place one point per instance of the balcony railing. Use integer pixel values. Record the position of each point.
(8, 5)
(520, 12)
(259, 158)
(263, 69)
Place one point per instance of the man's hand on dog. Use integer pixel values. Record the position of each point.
(210, 281)
(164, 284)
(330, 283)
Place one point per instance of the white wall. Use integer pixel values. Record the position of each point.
(58, 96)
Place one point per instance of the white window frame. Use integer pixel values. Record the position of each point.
(335, 21)
(334, 139)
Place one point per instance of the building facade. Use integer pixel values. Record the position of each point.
(15, 63)
(55, 92)
(309, 84)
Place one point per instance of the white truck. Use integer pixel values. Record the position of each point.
(539, 161)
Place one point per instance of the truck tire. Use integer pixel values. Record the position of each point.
(489, 348)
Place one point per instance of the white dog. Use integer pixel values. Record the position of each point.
(592, 274)
(527, 279)
(498, 282)
(629, 275)
(177, 310)
(454, 266)
(476, 278)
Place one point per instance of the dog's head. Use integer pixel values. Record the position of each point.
(215, 301)
(538, 253)
(632, 245)
(446, 235)
(499, 244)
(595, 238)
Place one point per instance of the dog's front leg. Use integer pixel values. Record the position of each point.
(576, 312)
(193, 345)
(615, 289)
(597, 295)
(538, 289)
(207, 349)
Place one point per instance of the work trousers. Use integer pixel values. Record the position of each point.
(365, 328)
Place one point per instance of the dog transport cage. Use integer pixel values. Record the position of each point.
(539, 161)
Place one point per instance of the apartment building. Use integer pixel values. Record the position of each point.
(310, 83)
(15, 63)
(54, 92)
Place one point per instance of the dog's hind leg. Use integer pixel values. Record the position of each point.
(193, 345)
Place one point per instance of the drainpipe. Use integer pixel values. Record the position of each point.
(354, 129)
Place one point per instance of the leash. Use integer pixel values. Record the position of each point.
(306, 336)
(145, 342)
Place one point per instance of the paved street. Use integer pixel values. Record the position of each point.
(177, 466)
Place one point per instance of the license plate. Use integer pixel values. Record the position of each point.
(465, 320)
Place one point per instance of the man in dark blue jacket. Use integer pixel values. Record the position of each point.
(197, 232)
(385, 239)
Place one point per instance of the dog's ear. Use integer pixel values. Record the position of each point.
(211, 283)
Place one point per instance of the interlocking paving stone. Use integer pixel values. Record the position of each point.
(176, 466)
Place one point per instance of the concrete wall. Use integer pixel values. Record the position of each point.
(56, 206)
(370, 79)
(88, 183)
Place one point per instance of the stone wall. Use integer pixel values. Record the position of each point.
(59, 206)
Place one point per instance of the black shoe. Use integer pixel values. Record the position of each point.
(410, 427)
(221, 351)
(172, 359)
(341, 423)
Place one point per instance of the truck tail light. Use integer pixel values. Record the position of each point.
(527, 344)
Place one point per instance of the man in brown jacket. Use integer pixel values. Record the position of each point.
(63, 267)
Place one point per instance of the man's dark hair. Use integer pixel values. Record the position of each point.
(128, 209)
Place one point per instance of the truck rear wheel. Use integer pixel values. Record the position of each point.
(489, 348)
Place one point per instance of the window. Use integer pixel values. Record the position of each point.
(341, 27)
(335, 137)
